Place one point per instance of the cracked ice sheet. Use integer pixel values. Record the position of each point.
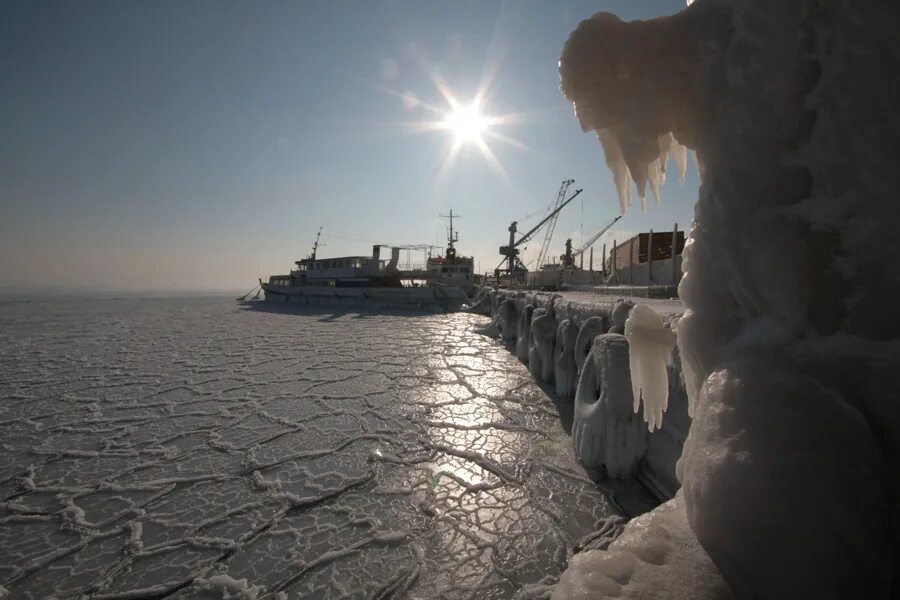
(188, 447)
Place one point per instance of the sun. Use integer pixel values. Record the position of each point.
(466, 123)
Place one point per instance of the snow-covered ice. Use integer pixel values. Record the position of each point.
(195, 448)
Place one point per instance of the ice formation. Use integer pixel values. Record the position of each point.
(606, 431)
(619, 315)
(790, 279)
(483, 301)
(650, 345)
(540, 347)
(657, 557)
(566, 371)
(523, 332)
(753, 436)
(492, 329)
(191, 448)
(509, 321)
(590, 329)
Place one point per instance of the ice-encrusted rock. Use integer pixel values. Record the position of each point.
(606, 431)
(508, 320)
(483, 301)
(591, 328)
(656, 557)
(540, 349)
(566, 371)
(619, 315)
(767, 453)
(491, 329)
(650, 344)
(551, 304)
(523, 332)
(608, 530)
(496, 299)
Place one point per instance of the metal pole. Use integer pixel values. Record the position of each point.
(631, 261)
(614, 258)
(603, 264)
(592, 259)
(650, 259)
(674, 249)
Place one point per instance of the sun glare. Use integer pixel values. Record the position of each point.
(467, 123)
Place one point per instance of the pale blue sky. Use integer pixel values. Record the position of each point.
(191, 144)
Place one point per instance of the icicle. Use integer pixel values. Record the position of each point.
(666, 143)
(654, 175)
(650, 344)
(698, 164)
(679, 153)
(616, 164)
(638, 151)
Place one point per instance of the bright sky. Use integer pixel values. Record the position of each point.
(200, 145)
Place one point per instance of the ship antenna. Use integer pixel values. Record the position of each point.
(452, 239)
(316, 244)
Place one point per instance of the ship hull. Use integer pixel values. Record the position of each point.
(450, 298)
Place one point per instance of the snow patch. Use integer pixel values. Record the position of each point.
(230, 588)
(657, 557)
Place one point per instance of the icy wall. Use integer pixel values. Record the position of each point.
(790, 342)
(579, 348)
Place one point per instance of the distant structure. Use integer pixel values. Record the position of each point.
(652, 258)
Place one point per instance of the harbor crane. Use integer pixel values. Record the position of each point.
(568, 259)
(551, 222)
(510, 253)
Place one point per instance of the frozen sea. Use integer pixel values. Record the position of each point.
(173, 447)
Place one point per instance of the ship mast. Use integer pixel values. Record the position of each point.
(451, 238)
(316, 244)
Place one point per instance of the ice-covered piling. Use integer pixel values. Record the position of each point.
(607, 432)
(508, 320)
(523, 332)
(591, 328)
(566, 371)
(540, 349)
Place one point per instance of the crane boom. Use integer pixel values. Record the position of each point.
(595, 237)
(553, 218)
(535, 229)
(510, 252)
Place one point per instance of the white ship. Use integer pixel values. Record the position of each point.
(450, 269)
(364, 278)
